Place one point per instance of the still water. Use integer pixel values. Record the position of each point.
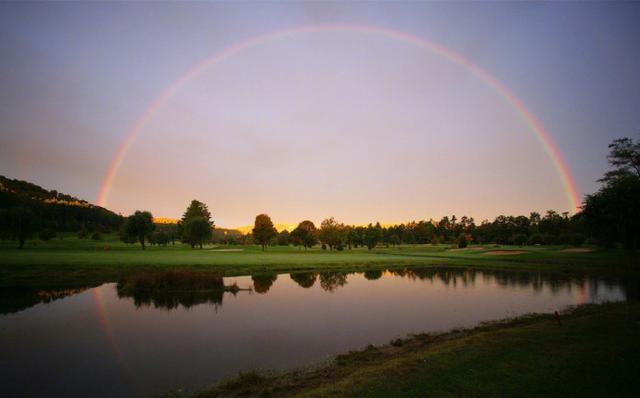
(112, 340)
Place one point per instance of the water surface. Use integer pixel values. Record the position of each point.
(113, 340)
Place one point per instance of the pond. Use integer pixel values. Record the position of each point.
(150, 334)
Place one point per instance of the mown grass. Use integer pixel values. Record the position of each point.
(73, 261)
(593, 351)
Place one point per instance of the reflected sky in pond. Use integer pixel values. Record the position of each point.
(115, 341)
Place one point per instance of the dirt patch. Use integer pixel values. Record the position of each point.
(579, 250)
(505, 252)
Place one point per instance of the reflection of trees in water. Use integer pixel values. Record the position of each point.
(16, 300)
(329, 281)
(304, 279)
(263, 282)
(372, 275)
(172, 288)
(521, 279)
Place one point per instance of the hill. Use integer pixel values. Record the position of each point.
(55, 210)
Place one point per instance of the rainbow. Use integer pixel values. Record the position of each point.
(572, 195)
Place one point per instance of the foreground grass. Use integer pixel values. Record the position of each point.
(593, 351)
(72, 261)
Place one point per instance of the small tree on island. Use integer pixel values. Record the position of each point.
(305, 234)
(139, 224)
(263, 230)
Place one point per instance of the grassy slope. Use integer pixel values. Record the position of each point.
(594, 352)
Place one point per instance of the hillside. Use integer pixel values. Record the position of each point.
(53, 209)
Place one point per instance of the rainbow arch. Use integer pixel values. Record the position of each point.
(564, 173)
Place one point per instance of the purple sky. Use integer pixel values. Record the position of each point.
(356, 126)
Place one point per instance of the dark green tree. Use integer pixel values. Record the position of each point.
(372, 235)
(284, 238)
(196, 231)
(263, 230)
(139, 224)
(197, 209)
(332, 233)
(305, 234)
(612, 214)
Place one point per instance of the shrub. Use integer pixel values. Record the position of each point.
(82, 233)
(96, 236)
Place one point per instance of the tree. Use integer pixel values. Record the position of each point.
(161, 238)
(332, 233)
(197, 209)
(196, 231)
(192, 225)
(139, 224)
(372, 235)
(283, 238)
(305, 234)
(612, 214)
(263, 230)
(624, 156)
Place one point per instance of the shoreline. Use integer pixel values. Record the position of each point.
(533, 354)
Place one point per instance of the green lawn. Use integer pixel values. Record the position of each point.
(594, 352)
(71, 260)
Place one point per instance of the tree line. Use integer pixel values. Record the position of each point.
(608, 217)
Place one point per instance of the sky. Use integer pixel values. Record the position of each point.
(307, 125)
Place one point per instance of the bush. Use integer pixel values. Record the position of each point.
(82, 233)
(462, 241)
(519, 239)
(96, 236)
(47, 234)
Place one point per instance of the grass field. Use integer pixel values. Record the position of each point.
(71, 261)
(594, 351)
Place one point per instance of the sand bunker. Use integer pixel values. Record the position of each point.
(578, 250)
(505, 252)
